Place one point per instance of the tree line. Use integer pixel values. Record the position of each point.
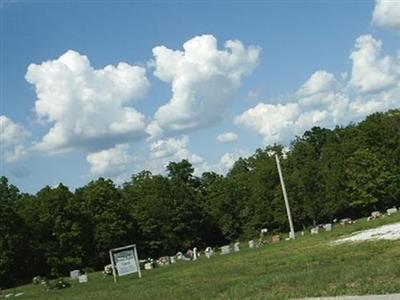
(344, 172)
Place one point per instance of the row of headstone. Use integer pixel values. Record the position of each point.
(377, 214)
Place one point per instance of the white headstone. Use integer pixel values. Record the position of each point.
(226, 249)
(83, 278)
(148, 266)
(391, 211)
(252, 244)
(328, 227)
(194, 253)
(236, 247)
(209, 252)
(172, 259)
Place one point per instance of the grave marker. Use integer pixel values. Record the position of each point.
(226, 249)
(74, 274)
(276, 238)
(236, 247)
(83, 278)
(252, 244)
(328, 227)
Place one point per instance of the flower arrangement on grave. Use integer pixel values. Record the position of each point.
(56, 284)
(108, 270)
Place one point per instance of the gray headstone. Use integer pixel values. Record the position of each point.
(226, 249)
(75, 274)
(391, 211)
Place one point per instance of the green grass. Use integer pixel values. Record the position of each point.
(308, 266)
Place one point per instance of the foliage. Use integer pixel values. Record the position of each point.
(343, 172)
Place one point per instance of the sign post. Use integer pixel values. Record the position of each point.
(124, 261)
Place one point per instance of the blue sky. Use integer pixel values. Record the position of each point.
(291, 65)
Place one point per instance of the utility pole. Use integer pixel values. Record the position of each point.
(278, 165)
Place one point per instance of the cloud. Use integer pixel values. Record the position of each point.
(228, 159)
(320, 82)
(387, 14)
(114, 163)
(374, 85)
(88, 108)
(12, 140)
(272, 121)
(168, 150)
(227, 137)
(203, 80)
(371, 72)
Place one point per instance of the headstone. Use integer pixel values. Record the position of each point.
(209, 252)
(276, 238)
(108, 270)
(189, 254)
(328, 227)
(195, 253)
(74, 274)
(375, 215)
(391, 211)
(252, 244)
(148, 266)
(226, 249)
(163, 261)
(83, 278)
(314, 230)
(346, 221)
(236, 247)
(172, 259)
(179, 255)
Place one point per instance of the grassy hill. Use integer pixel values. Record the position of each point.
(308, 266)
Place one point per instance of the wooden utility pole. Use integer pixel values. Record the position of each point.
(278, 165)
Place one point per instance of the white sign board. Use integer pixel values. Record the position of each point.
(124, 261)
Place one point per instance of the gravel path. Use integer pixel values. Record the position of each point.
(385, 232)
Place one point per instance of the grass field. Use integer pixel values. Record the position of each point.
(308, 266)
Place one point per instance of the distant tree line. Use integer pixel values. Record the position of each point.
(345, 172)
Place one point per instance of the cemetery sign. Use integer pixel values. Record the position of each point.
(124, 261)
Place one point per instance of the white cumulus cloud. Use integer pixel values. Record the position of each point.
(115, 163)
(374, 85)
(371, 72)
(228, 159)
(387, 14)
(203, 80)
(320, 82)
(12, 139)
(227, 137)
(272, 121)
(87, 107)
